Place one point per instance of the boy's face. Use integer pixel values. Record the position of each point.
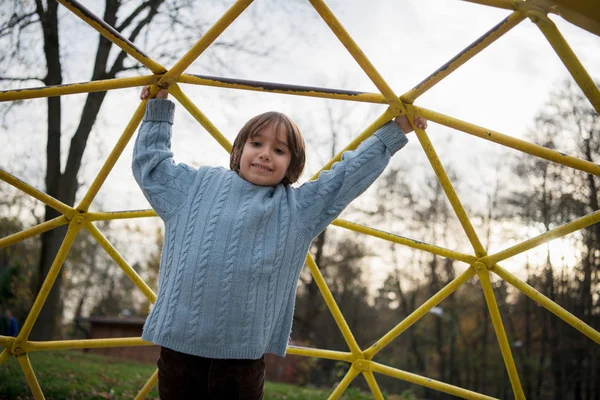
(266, 157)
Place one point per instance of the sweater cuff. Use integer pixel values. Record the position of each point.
(392, 136)
(162, 110)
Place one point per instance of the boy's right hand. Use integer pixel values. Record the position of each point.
(162, 94)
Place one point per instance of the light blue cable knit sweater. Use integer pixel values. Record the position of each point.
(233, 251)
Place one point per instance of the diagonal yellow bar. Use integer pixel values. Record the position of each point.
(4, 355)
(490, 299)
(333, 307)
(555, 233)
(471, 51)
(111, 34)
(209, 36)
(440, 172)
(378, 123)
(75, 88)
(74, 227)
(33, 192)
(427, 382)
(113, 157)
(415, 244)
(114, 254)
(372, 382)
(568, 57)
(343, 385)
(32, 381)
(508, 141)
(419, 313)
(34, 230)
(548, 304)
(362, 60)
(200, 117)
(148, 386)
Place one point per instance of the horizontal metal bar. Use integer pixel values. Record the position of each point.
(282, 88)
(319, 353)
(84, 344)
(111, 215)
(75, 88)
(415, 244)
(505, 4)
(427, 382)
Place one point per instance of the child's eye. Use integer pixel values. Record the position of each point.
(255, 144)
(279, 151)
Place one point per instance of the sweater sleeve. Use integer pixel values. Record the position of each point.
(320, 201)
(164, 183)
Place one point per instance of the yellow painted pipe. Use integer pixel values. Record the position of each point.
(75, 88)
(372, 382)
(505, 140)
(200, 117)
(471, 51)
(30, 377)
(4, 355)
(343, 385)
(428, 382)
(333, 307)
(320, 353)
(111, 34)
(490, 299)
(548, 304)
(121, 262)
(555, 233)
(269, 87)
(107, 216)
(209, 36)
(113, 157)
(6, 341)
(442, 176)
(148, 386)
(362, 60)
(84, 344)
(415, 244)
(74, 227)
(419, 312)
(378, 123)
(568, 57)
(34, 230)
(41, 196)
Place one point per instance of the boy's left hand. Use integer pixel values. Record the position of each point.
(403, 123)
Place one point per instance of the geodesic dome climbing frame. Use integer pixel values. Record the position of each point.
(584, 13)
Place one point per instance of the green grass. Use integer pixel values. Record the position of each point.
(77, 375)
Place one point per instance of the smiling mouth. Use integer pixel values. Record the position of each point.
(262, 167)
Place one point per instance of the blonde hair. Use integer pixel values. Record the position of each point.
(295, 143)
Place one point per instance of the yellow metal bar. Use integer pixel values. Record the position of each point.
(34, 230)
(555, 233)
(111, 34)
(4, 355)
(114, 254)
(419, 312)
(74, 88)
(84, 344)
(33, 192)
(148, 386)
(362, 60)
(200, 117)
(107, 216)
(490, 299)
(343, 385)
(74, 227)
(415, 244)
(457, 206)
(32, 381)
(372, 382)
(113, 157)
(548, 304)
(333, 307)
(505, 140)
(506, 4)
(568, 57)
(209, 36)
(6, 341)
(472, 50)
(283, 89)
(319, 353)
(427, 382)
(378, 123)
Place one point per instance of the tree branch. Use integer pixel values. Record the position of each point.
(133, 15)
